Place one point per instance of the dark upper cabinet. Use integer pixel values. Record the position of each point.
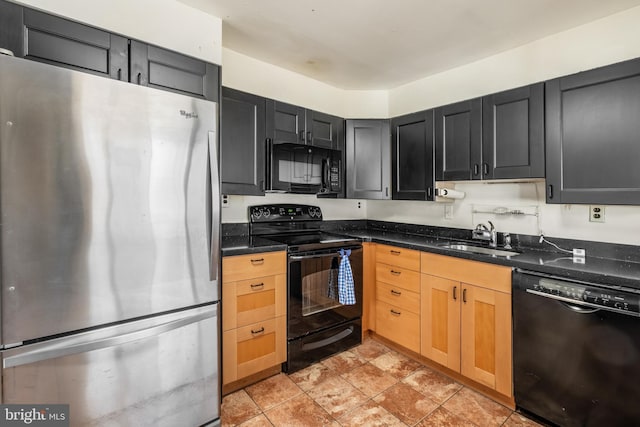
(69, 44)
(242, 146)
(513, 133)
(11, 20)
(324, 130)
(592, 136)
(285, 123)
(368, 159)
(458, 130)
(291, 124)
(412, 156)
(163, 69)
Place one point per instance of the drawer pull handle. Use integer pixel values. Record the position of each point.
(396, 273)
(394, 292)
(257, 261)
(259, 331)
(394, 252)
(256, 286)
(395, 313)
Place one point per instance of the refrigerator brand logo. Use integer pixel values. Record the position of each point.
(34, 415)
(188, 115)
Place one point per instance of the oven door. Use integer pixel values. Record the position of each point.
(312, 291)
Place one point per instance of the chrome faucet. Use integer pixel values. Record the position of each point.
(482, 232)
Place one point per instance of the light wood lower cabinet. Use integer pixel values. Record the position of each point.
(466, 319)
(398, 295)
(253, 314)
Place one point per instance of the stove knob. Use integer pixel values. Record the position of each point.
(266, 213)
(255, 213)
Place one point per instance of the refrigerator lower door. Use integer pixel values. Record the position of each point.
(161, 371)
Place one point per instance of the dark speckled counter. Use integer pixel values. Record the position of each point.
(601, 268)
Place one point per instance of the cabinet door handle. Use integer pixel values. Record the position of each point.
(395, 273)
(256, 286)
(396, 293)
(302, 135)
(259, 331)
(476, 169)
(257, 261)
(139, 78)
(309, 137)
(455, 293)
(464, 295)
(395, 313)
(550, 191)
(429, 193)
(394, 252)
(119, 73)
(386, 191)
(485, 168)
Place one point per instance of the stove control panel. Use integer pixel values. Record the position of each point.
(284, 212)
(591, 295)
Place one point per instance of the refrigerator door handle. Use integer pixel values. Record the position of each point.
(69, 345)
(214, 215)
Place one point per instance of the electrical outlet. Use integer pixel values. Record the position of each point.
(448, 211)
(225, 201)
(596, 213)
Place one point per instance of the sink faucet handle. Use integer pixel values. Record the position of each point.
(507, 240)
(491, 224)
(481, 226)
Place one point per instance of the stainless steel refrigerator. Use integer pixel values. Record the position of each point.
(109, 203)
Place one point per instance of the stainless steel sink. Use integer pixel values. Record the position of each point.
(478, 249)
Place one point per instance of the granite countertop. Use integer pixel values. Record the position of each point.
(622, 273)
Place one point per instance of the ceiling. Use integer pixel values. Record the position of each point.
(381, 44)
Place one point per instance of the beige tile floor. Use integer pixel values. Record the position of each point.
(370, 385)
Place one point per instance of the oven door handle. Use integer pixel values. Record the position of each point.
(299, 257)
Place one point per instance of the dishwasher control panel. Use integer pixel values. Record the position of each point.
(593, 296)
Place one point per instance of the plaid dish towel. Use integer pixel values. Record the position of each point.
(346, 290)
(333, 279)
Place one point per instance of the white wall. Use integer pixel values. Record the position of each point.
(251, 75)
(605, 41)
(165, 23)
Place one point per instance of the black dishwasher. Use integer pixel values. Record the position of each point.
(576, 350)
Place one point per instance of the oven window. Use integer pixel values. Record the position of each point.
(319, 285)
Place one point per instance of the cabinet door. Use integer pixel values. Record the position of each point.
(458, 129)
(242, 136)
(163, 69)
(11, 36)
(324, 130)
(412, 156)
(285, 123)
(513, 133)
(368, 153)
(486, 337)
(69, 44)
(592, 130)
(440, 329)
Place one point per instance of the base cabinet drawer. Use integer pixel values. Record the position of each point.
(398, 325)
(253, 348)
(395, 295)
(253, 300)
(243, 267)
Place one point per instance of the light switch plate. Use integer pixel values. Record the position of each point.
(596, 213)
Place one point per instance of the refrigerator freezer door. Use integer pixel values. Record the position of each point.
(105, 198)
(161, 371)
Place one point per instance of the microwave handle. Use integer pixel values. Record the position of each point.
(326, 174)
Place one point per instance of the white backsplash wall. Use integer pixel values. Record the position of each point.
(564, 221)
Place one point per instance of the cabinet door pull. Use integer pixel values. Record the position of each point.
(259, 331)
(395, 273)
(309, 137)
(394, 252)
(395, 313)
(386, 191)
(550, 191)
(257, 261)
(464, 295)
(455, 293)
(119, 73)
(139, 78)
(396, 293)
(429, 193)
(302, 135)
(476, 169)
(485, 168)
(256, 286)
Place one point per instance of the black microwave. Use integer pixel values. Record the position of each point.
(303, 169)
